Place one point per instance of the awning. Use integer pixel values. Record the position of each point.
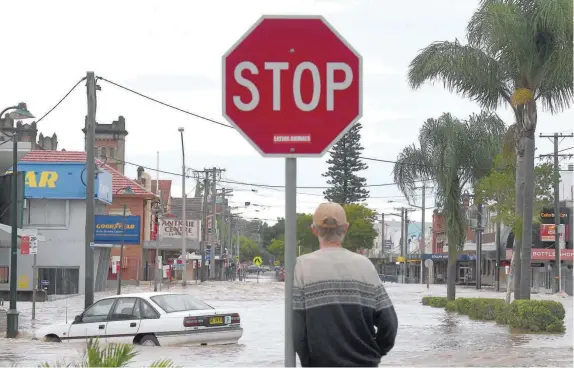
(6, 235)
(6, 154)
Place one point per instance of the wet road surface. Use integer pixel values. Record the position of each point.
(427, 336)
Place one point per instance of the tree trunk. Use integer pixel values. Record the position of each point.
(451, 270)
(511, 277)
(519, 200)
(527, 215)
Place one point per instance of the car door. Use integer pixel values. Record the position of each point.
(124, 321)
(91, 323)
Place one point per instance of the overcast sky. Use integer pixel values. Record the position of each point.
(172, 51)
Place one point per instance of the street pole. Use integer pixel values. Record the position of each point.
(557, 265)
(122, 251)
(157, 193)
(498, 246)
(422, 244)
(12, 314)
(403, 236)
(213, 224)
(383, 241)
(183, 214)
(479, 230)
(290, 254)
(34, 287)
(406, 243)
(206, 230)
(230, 239)
(90, 190)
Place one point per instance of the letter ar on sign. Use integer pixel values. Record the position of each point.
(302, 70)
(44, 179)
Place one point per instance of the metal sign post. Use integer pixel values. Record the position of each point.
(34, 251)
(428, 265)
(290, 254)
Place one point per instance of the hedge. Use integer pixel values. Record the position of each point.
(526, 315)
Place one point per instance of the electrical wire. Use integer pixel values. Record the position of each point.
(61, 100)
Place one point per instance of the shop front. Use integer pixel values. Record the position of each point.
(55, 211)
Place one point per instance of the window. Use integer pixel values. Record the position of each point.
(147, 311)
(4, 274)
(60, 281)
(98, 312)
(178, 303)
(124, 309)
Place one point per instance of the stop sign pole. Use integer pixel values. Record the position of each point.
(292, 87)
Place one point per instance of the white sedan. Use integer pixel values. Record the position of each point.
(149, 319)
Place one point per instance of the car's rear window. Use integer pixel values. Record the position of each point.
(178, 303)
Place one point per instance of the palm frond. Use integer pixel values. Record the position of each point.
(510, 141)
(411, 166)
(463, 69)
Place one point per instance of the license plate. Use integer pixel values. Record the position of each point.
(213, 321)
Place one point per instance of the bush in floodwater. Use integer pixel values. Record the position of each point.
(537, 316)
(112, 355)
(435, 301)
(450, 306)
(463, 305)
(502, 311)
(484, 308)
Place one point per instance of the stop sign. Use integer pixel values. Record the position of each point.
(292, 86)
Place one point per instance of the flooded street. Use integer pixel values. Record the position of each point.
(427, 336)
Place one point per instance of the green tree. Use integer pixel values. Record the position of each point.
(519, 54)
(361, 233)
(305, 237)
(344, 167)
(277, 249)
(248, 249)
(452, 154)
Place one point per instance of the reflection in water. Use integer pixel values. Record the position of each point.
(427, 336)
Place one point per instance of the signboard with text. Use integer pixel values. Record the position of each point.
(172, 228)
(548, 232)
(108, 229)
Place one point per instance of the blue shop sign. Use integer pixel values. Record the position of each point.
(108, 229)
(444, 257)
(63, 180)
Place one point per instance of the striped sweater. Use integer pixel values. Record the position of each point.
(343, 316)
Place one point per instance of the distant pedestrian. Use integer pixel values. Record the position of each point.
(343, 316)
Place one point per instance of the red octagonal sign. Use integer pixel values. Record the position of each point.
(292, 86)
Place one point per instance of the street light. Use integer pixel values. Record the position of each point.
(126, 190)
(20, 112)
(183, 214)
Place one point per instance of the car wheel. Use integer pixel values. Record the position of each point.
(52, 338)
(149, 340)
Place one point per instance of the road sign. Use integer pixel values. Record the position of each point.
(44, 282)
(292, 86)
(428, 263)
(276, 263)
(24, 245)
(33, 245)
(257, 261)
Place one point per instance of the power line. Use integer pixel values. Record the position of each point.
(61, 100)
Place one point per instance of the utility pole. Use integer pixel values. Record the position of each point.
(383, 238)
(90, 181)
(157, 193)
(479, 230)
(206, 229)
(183, 213)
(406, 243)
(422, 243)
(557, 264)
(403, 241)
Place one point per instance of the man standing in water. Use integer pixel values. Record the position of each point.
(343, 316)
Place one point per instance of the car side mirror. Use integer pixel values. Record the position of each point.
(77, 319)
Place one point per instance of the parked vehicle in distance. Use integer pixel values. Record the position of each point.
(265, 268)
(152, 319)
(388, 278)
(253, 269)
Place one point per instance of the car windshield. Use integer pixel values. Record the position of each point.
(179, 302)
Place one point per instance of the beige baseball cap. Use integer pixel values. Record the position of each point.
(329, 215)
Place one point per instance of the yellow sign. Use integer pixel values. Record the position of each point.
(400, 259)
(257, 261)
(44, 179)
(23, 282)
(276, 263)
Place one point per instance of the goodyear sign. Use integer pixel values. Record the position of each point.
(117, 229)
(62, 180)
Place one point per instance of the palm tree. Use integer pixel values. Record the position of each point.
(519, 54)
(453, 154)
(112, 355)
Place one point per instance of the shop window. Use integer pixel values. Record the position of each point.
(43, 212)
(4, 274)
(60, 281)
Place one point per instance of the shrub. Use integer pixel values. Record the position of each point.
(537, 316)
(463, 305)
(502, 311)
(435, 301)
(450, 306)
(484, 308)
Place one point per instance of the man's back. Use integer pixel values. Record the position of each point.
(338, 300)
